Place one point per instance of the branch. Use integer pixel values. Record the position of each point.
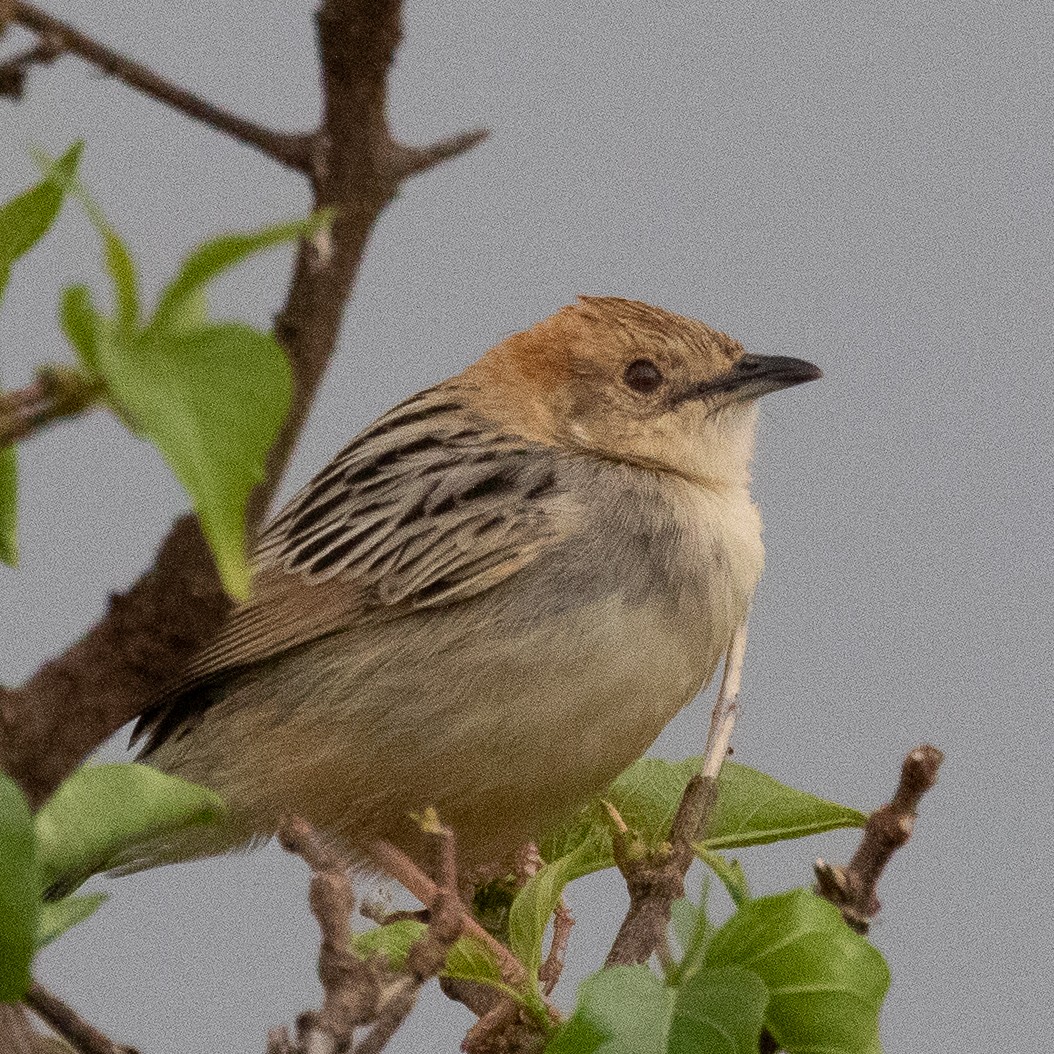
(399, 866)
(446, 922)
(853, 889)
(351, 990)
(76, 701)
(357, 991)
(507, 1029)
(58, 392)
(289, 149)
(85, 1038)
(656, 879)
(13, 72)
(16, 1037)
(553, 967)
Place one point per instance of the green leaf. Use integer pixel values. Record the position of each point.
(730, 872)
(24, 220)
(220, 254)
(535, 903)
(826, 983)
(693, 931)
(210, 397)
(101, 814)
(57, 916)
(752, 808)
(84, 327)
(621, 1010)
(121, 268)
(755, 809)
(118, 263)
(19, 892)
(392, 941)
(212, 401)
(718, 1011)
(469, 960)
(9, 506)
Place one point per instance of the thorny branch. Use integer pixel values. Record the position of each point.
(853, 889)
(150, 632)
(656, 879)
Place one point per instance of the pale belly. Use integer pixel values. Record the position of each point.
(504, 712)
(502, 734)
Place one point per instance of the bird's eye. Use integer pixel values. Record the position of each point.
(643, 376)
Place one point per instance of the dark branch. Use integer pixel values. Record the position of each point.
(409, 161)
(853, 889)
(77, 700)
(294, 150)
(13, 72)
(654, 879)
(58, 392)
(85, 1038)
(16, 1037)
(553, 967)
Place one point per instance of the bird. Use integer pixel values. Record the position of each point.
(492, 600)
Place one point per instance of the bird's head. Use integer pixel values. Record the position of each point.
(634, 383)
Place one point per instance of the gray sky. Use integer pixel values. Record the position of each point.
(864, 185)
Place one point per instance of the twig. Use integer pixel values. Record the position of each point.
(507, 1029)
(350, 989)
(399, 866)
(853, 889)
(58, 392)
(408, 161)
(553, 967)
(13, 72)
(719, 738)
(69, 1024)
(427, 957)
(294, 150)
(656, 879)
(16, 1037)
(76, 701)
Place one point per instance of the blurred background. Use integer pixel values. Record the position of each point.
(867, 186)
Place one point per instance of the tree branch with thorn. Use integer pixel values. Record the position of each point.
(853, 889)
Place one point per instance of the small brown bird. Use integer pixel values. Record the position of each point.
(494, 598)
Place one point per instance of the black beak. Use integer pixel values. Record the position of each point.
(755, 375)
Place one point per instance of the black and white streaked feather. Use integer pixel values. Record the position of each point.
(429, 505)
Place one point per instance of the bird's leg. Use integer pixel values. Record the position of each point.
(722, 722)
(726, 709)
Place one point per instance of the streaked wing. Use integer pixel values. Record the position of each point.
(428, 506)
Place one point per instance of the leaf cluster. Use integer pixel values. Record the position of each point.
(786, 963)
(211, 395)
(98, 819)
